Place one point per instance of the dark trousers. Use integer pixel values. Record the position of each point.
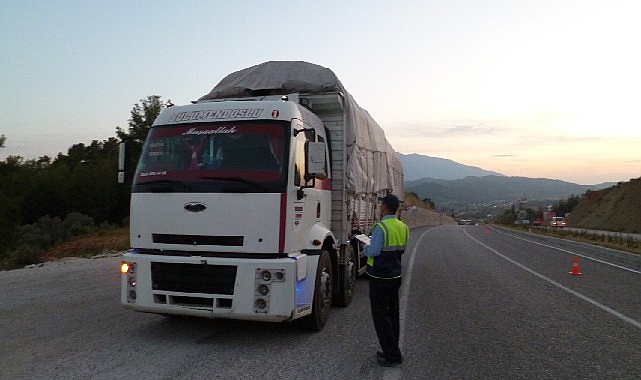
(383, 296)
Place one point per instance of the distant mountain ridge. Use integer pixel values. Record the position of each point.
(493, 189)
(416, 166)
(450, 184)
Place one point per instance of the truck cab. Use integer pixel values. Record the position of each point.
(224, 191)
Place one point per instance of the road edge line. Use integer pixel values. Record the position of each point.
(560, 286)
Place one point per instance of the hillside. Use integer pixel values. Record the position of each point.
(488, 189)
(617, 208)
(416, 166)
(416, 213)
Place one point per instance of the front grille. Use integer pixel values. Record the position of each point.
(193, 278)
(229, 241)
(237, 255)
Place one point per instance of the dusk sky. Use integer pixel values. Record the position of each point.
(526, 88)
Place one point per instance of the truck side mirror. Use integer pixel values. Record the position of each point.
(316, 165)
(121, 163)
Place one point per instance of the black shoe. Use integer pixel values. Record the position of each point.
(387, 363)
(381, 360)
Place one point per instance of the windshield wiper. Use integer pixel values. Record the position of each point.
(166, 189)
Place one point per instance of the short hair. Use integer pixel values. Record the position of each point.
(391, 201)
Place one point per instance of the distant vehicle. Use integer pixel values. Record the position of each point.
(558, 222)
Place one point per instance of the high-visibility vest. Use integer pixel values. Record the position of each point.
(387, 265)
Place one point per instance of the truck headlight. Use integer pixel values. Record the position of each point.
(260, 304)
(263, 289)
(127, 267)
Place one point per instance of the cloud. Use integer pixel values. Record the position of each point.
(445, 129)
(467, 130)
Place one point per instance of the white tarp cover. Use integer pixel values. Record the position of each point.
(372, 165)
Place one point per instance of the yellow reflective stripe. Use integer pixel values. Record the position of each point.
(394, 236)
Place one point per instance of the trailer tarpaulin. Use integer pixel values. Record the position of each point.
(372, 165)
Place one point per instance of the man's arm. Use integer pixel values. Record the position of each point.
(376, 243)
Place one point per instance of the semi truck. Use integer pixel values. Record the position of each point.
(246, 203)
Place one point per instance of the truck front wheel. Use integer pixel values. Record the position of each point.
(322, 303)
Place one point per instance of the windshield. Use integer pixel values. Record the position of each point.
(214, 157)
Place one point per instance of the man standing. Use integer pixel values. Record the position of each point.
(388, 241)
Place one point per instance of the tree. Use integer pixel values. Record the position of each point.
(509, 216)
(430, 203)
(142, 118)
(70, 187)
(566, 207)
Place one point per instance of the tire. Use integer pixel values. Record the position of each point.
(347, 274)
(322, 303)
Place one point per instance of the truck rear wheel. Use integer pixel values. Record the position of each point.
(347, 276)
(322, 303)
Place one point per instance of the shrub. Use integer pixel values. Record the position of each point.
(76, 224)
(24, 255)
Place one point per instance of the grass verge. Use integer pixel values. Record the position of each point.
(107, 241)
(615, 241)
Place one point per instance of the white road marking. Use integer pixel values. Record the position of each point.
(567, 251)
(564, 288)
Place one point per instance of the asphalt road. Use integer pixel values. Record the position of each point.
(476, 303)
(497, 304)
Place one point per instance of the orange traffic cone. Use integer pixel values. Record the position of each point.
(575, 267)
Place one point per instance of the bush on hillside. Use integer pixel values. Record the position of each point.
(34, 239)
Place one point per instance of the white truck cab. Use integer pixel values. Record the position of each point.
(245, 207)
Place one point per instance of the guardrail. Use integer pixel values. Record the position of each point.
(617, 235)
